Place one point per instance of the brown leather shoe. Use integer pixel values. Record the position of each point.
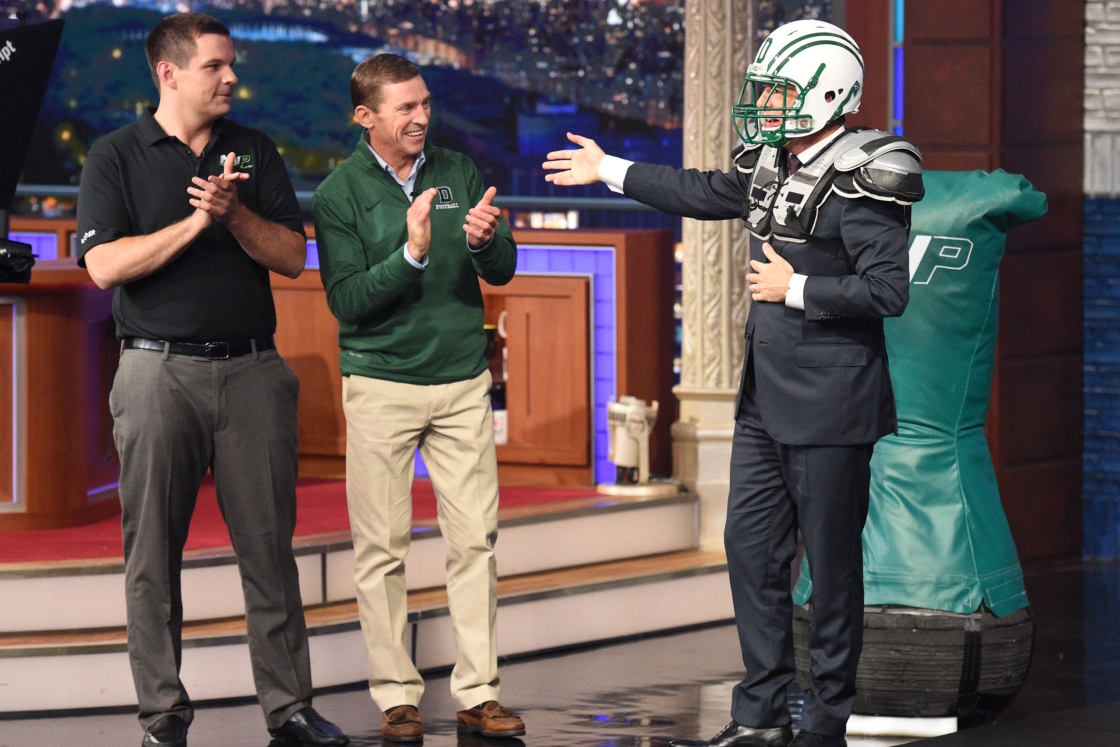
(402, 724)
(491, 719)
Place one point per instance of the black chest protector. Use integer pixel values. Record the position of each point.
(858, 163)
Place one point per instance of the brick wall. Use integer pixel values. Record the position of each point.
(1102, 377)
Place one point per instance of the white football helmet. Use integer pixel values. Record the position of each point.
(815, 60)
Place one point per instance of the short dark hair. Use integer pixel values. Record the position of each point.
(373, 73)
(174, 39)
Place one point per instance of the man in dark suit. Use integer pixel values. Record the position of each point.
(827, 209)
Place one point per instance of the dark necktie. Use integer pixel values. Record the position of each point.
(794, 164)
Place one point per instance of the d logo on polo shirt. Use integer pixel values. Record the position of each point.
(446, 200)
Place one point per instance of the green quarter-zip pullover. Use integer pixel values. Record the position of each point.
(396, 321)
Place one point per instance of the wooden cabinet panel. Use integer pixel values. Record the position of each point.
(550, 388)
(548, 392)
(1023, 19)
(944, 20)
(1041, 411)
(307, 338)
(8, 423)
(63, 229)
(69, 463)
(869, 25)
(947, 93)
(1044, 520)
(1039, 103)
(102, 356)
(644, 276)
(1049, 319)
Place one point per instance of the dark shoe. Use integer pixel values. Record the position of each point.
(490, 719)
(306, 726)
(402, 724)
(810, 739)
(734, 735)
(169, 731)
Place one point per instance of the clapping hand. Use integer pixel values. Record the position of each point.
(217, 196)
(482, 220)
(419, 223)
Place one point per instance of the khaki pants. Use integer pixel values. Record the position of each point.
(453, 427)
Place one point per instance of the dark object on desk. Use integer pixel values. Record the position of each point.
(16, 261)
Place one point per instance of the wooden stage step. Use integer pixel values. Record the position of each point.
(83, 594)
(536, 612)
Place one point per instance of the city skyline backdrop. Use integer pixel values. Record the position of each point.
(508, 77)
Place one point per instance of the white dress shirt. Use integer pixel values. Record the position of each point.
(409, 186)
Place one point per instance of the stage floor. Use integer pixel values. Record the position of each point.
(641, 693)
(1096, 726)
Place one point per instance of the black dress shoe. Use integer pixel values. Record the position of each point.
(810, 739)
(169, 731)
(306, 726)
(734, 735)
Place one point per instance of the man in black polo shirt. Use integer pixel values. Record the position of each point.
(185, 213)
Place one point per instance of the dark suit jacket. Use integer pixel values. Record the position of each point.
(821, 374)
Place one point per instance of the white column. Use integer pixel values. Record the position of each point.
(715, 302)
(1102, 98)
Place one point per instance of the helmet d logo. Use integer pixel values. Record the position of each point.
(763, 50)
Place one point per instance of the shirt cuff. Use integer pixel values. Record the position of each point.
(413, 262)
(479, 249)
(795, 296)
(612, 172)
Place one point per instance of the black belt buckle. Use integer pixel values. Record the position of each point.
(212, 351)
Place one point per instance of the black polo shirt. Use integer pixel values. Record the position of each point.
(134, 183)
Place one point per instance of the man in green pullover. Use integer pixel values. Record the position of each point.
(404, 231)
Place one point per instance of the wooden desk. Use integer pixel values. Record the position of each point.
(62, 228)
(58, 355)
(549, 394)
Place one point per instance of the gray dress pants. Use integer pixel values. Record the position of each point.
(174, 417)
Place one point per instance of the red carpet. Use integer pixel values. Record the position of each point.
(322, 508)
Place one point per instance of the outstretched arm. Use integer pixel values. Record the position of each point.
(704, 195)
(575, 167)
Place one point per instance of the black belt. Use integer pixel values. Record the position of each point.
(214, 351)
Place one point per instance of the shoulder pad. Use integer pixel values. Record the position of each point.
(882, 166)
(864, 146)
(745, 156)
